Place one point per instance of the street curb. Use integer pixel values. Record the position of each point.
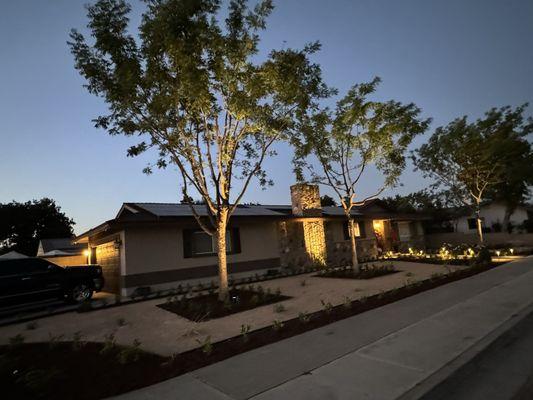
(445, 372)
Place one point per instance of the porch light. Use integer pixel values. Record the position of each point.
(86, 253)
(117, 244)
(498, 253)
(512, 251)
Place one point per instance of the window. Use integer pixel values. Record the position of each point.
(472, 223)
(359, 230)
(198, 243)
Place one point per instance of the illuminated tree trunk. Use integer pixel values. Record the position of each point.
(355, 261)
(479, 227)
(221, 252)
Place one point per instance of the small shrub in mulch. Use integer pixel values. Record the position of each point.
(207, 306)
(364, 272)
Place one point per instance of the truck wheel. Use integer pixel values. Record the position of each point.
(80, 293)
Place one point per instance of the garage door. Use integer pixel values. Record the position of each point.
(108, 257)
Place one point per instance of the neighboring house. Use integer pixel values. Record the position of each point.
(12, 255)
(62, 251)
(492, 216)
(160, 245)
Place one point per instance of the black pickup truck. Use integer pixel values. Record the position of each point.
(29, 279)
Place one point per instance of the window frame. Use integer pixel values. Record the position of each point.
(232, 243)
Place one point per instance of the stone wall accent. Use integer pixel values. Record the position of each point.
(108, 257)
(305, 200)
(315, 241)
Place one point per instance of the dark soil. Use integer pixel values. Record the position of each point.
(207, 306)
(41, 371)
(435, 260)
(59, 372)
(363, 273)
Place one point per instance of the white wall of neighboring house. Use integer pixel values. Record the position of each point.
(491, 214)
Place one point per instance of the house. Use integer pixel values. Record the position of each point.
(492, 215)
(160, 245)
(62, 251)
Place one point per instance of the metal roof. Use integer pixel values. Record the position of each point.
(184, 210)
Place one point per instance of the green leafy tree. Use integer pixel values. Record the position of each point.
(327, 201)
(472, 160)
(359, 133)
(193, 87)
(22, 225)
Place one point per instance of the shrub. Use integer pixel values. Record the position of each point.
(279, 308)
(130, 353)
(304, 317)
(206, 345)
(109, 344)
(328, 307)
(277, 325)
(347, 304)
(245, 329)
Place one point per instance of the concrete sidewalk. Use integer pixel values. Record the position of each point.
(380, 354)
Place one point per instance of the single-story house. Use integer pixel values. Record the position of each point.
(160, 245)
(62, 251)
(492, 215)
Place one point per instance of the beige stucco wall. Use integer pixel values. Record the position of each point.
(160, 248)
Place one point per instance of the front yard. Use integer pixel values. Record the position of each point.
(130, 335)
(166, 333)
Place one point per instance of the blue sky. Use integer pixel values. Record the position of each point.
(451, 58)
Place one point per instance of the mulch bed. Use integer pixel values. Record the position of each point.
(44, 371)
(435, 260)
(87, 374)
(362, 273)
(207, 306)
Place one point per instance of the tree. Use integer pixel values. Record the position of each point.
(193, 88)
(514, 187)
(473, 159)
(359, 133)
(327, 201)
(22, 225)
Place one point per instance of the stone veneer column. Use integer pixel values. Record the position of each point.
(305, 200)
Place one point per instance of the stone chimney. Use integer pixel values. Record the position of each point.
(305, 199)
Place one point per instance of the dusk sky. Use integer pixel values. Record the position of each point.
(450, 57)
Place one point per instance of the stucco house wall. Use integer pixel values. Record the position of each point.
(155, 255)
(492, 213)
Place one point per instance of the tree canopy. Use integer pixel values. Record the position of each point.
(196, 89)
(358, 133)
(22, 225)
(472, 159)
